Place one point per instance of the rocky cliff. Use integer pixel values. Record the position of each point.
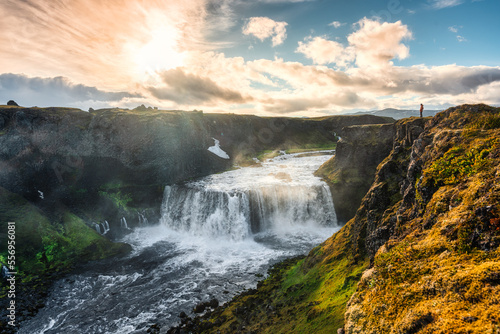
(434, 243)
(421, 254)
(351, 171)
(124, 158)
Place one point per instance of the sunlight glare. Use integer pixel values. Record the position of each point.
(160, 52)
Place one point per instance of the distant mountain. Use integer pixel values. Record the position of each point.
(397, 113)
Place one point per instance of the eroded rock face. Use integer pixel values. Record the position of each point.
(351, 172)
(395, 177)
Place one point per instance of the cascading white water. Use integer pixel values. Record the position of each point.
(142, 219)
(205, 212)
(239, 203)
(102, 228)
(239, 214)
(105, 226)
(123, 223)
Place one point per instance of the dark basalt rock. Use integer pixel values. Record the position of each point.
(351, 172)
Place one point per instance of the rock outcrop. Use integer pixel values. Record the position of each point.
(351, 171)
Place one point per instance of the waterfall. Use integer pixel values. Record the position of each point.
(238, 214)
(102, 228)
(204, 212)
(105, 226)
(123, 223)
(142, 219)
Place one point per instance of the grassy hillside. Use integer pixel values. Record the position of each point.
(45, 248)
(440, 270)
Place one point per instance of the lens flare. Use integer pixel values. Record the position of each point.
(160, 53)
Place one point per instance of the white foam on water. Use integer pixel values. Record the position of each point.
(278, 195)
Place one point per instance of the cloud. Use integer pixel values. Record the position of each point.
(305, 103)
(53, 91)
(454, 29)
(440, 4)
(377, 43)
(374, 44)
(441, 80)
(94, 45)
(264, 27)
(372, 87)
(185, 88)
(336, 24)
(215, 82)
(323, 51)
(97, 42)
(285, 87)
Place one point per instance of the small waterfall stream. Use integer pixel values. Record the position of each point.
(216, 236)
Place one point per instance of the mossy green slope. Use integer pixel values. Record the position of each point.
(51, 243)
(46, 247)
(439, 272)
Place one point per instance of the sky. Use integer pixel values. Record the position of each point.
(265, 57)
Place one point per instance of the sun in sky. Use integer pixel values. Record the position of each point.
(159, 50)
(267, 57)
(160, 53)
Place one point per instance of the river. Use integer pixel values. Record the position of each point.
(217, 236)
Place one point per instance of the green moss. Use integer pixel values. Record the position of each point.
(459, 163)
(267, 154)
(483, 121)
(120, 200)
(45, 244)
(312, 147)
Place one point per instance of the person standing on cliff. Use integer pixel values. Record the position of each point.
(421, 109)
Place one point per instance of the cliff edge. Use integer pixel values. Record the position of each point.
(351, 171)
